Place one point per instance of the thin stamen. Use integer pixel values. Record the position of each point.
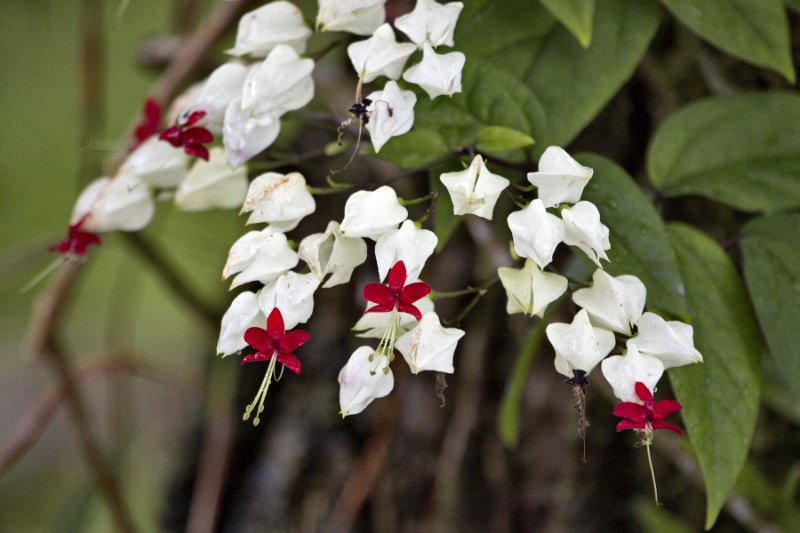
(261, 395)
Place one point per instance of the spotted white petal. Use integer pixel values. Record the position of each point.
(437, 74)
(281, 200)
(623, 371)
(430, 22)
(370, 214)
(272, 24)
(429, 346)
(380, 55)
(672, 342)
(474, 190)
(536, 233)
(579, 344)
(615, 303)
(582, 228)
(560, 178)
(529, 289)
(242, 314)
(391, 113)
(212, 184)
(365, 377)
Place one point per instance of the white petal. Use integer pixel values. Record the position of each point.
(246, 135)
(157, 163)
(430, 22)
(278, 199)
(241, 315)
(409, 244)
(293, 294)
(615, 303)
(370, 214)
(560, 178)
(582, 228)
(365, 377)
(373, 325)
(437, 74)
(429, 346)
(272, 24)
(380, 55)
(361, 17)
(390, 114)
(536, 233)
(623, 371)
(120, 204)
(332, 253)
(474, 190)
(672, 342)
(580, 344)
(281, 83)
(529, 289)
(212, 184)
(223, 86)
(259, 256)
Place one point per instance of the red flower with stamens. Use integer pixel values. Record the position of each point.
(275, 342)
(151, 119)
(192, 138)
(77, 241)
(396, 294)
(651, 415)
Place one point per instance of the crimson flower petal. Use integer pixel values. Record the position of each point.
(397, 277)
(664, 408)
(415, 291)
(380, 308)
(631, 411)
(256, 357)
(293, 340)
(622, 425)
(198, 151)
(172, 135)
(290, 361)
(411, 309)
(259, 339)
(380, 294)
(660, 424)
(194, 118)
(643, 392)
(194, 136)
(275, 328)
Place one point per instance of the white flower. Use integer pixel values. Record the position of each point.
(536, 233)
(474, 190)
(365, 377)
(281, 83)
(391, 114)
(373, 325)
(212, 184)
(120, 204)
(429, 346)
(671, 342)
(560, 178)
(293, 294)
(409, 244)
(222, 87)
(437, 74)
(246, 135)
(157, 163)
(272, 24)
(370, 214)
(259, 256)
(241, 315)
(430, 23)
(615, 303)
(281, 200)
(579, 345)
(380, 55)
(529, 289)
(582, 228)
(623, 371)
(361, 17)
(333, 253)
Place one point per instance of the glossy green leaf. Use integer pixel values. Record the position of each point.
(757, 32)
(640, 244)
(573, 83)
(771, 253)
(575, 15)
(494, 139)
(741, 150)
(793, 4)
(720, 397)
(415, 148)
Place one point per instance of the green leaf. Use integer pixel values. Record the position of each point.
(757, 32)
(720, 397)
(640, 244)
(414, 149)
(793, 4)
(771, 253)
(576, 15)
(573, 83)
(494, 139)
(656, 519)
(741, 150)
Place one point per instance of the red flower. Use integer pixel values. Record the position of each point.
(396, 294)
(191, 137)
(275, 342)
(651, 415)
(77, 241)
(151, 119)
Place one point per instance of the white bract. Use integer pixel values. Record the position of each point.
(259, 256)
(437, 74)
(474, 190)
(430, 22)
(373, 325)
(579, 345)
(120, 204)
(409, 244)
(156, 163)
(671, 342)
(361, 17)
(212, 184)
(623, 371)
(560, 178)
(332, 253)
(582, 228)
(281, 83)
(222, 87)
(272, 24)
(365, 377)
(281, 200)
(370, 214)
(429, 346)
(246, 135)
(529, 289)
(390, 114)
(243, 313)
(615, 303)
(380, 55)
(293, 294)
(536, 233)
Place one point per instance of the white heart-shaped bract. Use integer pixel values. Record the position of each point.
(429, 346)
(579, 344)
(615, 303)
(671, 342)
(156, 163)
(391, 113)
(536, 233)
(259, 256)
(409, 244)
(475, 189)
(332, 253)
(370, 214)
(242, 314)
(270, 25)
(281, 200)
(293, 294)
(380, 55)
(430, 22)
(437, 74)
(560, 178)
(365, 377)
(623, 371)
(529, 289)
(212, 184)
(582, 228)
(361, 17)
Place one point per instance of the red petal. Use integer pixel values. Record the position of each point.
(275, 327)
(414, 292)
(631, 411)
(256, 357)
(380, 294)
(172, 135)
(629, 424)
(380, 308)
(152, 111)
(197, 151)
(397, 277)
(194, 118)
(664, 408)
(659, 424)
(194, 136)
(643, 392)
(290, 361)
(293, 340)
(404, 307)
(258, 339)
